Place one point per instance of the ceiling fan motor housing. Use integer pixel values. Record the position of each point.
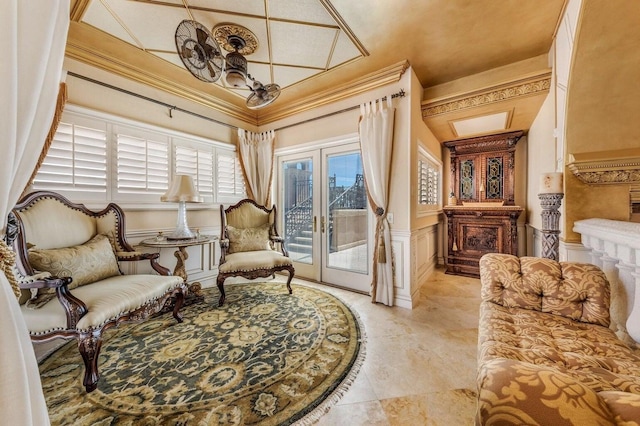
(236, 69)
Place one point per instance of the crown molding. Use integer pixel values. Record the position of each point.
(608, 167)
(523, 87)
(390, 74)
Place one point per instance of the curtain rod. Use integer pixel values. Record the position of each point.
(146, 98)
(399, 94)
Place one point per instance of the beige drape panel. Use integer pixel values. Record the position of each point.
(376, 145)
(33, 34)
(256, 158)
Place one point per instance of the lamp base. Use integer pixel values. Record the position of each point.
(182, 231)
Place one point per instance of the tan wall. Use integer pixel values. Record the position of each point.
(602, 104)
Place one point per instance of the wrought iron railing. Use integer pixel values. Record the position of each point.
(298, 218)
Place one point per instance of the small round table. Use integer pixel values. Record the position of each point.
(181, 255)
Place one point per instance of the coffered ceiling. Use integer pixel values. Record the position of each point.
(329, 48)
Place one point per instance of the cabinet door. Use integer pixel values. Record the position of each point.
(469, 170)
(493, 176)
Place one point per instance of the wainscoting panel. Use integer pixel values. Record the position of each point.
(416, 256)
(401, 243)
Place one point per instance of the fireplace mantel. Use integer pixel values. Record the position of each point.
(615, 247)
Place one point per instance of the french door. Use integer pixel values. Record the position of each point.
(324, 215)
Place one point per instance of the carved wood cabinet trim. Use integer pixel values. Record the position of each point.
(483, 168)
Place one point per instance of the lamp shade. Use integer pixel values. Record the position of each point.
(181, 189)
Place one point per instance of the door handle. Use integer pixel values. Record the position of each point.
(322, 223)
(315, 224)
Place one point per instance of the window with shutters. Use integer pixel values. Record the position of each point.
(429, 182)
(142, 164)
(98, 157)
(230, 181)
(76, 162)
(196, 160)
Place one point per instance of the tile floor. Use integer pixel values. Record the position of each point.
(420, 364)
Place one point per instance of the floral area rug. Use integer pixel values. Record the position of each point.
(264, 358)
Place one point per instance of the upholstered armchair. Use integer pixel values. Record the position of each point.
(250, 245)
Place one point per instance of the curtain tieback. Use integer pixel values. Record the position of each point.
(382, 251)
(7, 261)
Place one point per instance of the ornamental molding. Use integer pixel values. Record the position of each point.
(515, 89)
(615, 167)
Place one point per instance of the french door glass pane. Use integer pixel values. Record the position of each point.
(346, 215)
(298, 209)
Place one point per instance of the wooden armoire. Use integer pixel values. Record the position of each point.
(484, 217)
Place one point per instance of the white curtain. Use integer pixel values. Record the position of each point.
(376, 145)
(33, 34)
(256, 158)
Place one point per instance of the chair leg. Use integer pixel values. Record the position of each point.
(178, 305)
(89, 346)
(220, 282)
(291, 272)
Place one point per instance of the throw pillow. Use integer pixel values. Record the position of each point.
(85, 263)
(248, 239)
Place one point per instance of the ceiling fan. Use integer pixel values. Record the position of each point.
(200, 53)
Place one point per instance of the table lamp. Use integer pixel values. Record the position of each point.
(181, 191)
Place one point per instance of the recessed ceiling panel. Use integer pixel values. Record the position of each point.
(251, 7)
(295, 44)
(481, 124)
(152, 25)
(286, 76)
(344, 51)
(99, 16)
(300, 11)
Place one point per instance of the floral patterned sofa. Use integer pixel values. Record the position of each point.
(545, 353)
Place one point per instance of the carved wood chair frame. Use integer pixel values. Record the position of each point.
(274, 238)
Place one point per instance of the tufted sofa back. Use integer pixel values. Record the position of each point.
(578, 291)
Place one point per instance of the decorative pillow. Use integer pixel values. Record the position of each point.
(86, 263)
(248, 239)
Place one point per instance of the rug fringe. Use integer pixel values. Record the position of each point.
(314, 415)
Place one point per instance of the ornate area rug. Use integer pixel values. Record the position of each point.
(264, 358)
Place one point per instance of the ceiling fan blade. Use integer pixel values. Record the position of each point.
(214, 71)
(202, 37)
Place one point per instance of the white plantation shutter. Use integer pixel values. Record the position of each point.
(76, 161)
(198, 163)
(95, 157)
(429, 173)
(142, 165)
(230, 181)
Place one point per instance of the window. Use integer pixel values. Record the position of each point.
(77, 159)
(429, 182)
(95, 157)
(142, 165)
(229, 176)
(197, 162)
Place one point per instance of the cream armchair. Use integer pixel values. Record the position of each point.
(248, 244)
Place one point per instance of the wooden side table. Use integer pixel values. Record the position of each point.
(181, 255)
